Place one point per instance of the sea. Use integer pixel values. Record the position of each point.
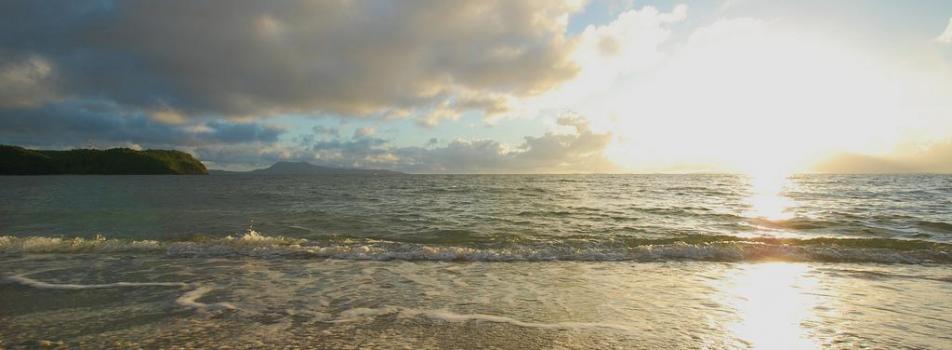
(476, 262)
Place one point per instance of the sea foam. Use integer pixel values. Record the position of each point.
(695, 248)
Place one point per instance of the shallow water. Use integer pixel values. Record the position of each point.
(250, 303)
(424, 261)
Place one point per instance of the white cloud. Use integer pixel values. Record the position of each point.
(946, 36)
(627, 46)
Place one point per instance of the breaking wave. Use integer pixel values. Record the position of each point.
(690, 248)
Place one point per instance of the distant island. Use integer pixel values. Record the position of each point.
(116, 161)
(303, 168)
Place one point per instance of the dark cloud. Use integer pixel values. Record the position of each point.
(230, 132)
(73, 123)
(250, 58)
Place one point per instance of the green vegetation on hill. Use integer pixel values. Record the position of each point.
(120, 161)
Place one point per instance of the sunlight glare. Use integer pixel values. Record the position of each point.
(773, 301)
(760, 92)
(767, 200)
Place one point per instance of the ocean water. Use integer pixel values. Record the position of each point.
(476, 261)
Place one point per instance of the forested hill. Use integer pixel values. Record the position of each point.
(119, 161)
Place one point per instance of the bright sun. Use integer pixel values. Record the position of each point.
(756, 98)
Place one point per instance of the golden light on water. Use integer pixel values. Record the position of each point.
(766, 199)
(773, 300)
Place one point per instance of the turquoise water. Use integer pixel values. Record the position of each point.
(476, 261)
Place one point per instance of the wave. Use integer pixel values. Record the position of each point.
(935, 225)
(577, 248)
(798, 223)
(33, 244)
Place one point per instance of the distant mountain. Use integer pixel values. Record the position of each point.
(116, 161)
(302, 168)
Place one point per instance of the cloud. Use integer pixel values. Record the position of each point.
(936, 158)
(25, 81)
(76, 122)
(946, 36)
(625, 47)
(325, 131)
(491, 105)
(579, 150)
(364, 132)
(249, 58)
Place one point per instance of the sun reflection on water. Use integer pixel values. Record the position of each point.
(773, 301)
(766, 199)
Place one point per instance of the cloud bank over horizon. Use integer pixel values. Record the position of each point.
(576, 150)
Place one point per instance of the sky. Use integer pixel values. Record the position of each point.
(477, 86)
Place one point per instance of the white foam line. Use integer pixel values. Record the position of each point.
(69, 286)
(449, 316)
(359, 313)
(189, 299)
